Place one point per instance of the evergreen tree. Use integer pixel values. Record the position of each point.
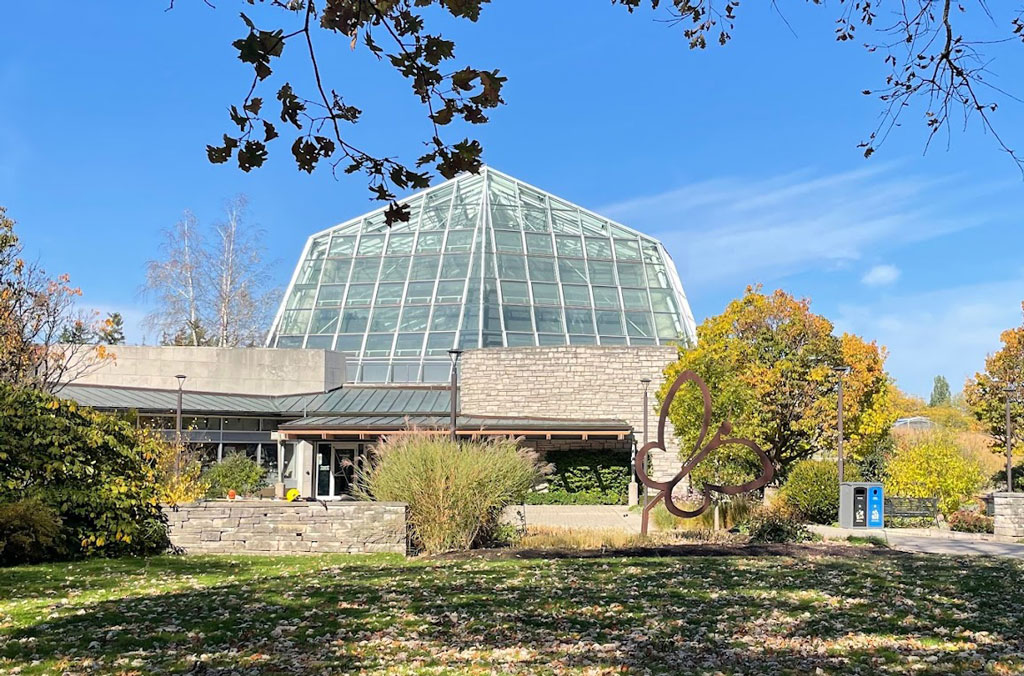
(111, 331)
(940, 392)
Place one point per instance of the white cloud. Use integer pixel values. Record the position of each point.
(881, 275)
(733, 231)
(945, 332)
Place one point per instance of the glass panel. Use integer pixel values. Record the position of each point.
(635, 299)
(359, 294)
(639, 324)
(374, 373)
(365, 270)
(349, 343)
(490, 340)
(542, 268)
(400, 242)
(631, 274)
(455, 266)
(242, 425)
(627, 250)
(429, 242)
(409, 345)
(324, 321)
(390, 293)
(437, 372)
(464, 212)
(572, 270)
(492, 319)
(592, 224)
(402, 372)
(517, 318)
(319, 247)
(549, 319)
(320, 342)
(419, 292)
(613, 340)
(446, 318)
(576, 295)
(336, 271)
(663, 301)
(415, 318)
(434, 218)
(508, 241)
(438, 344)
(384, 319)
(599, 247)
(606, 296)
(378, 345)
(531, 198)
(545, 294)
(504, 216)
(310, 272)
(330, 295)
(511, 267)
(371, 245)
(656, 276)
(633, 340)
(469, 340)
(568, 245)
(294, 322)
(609, 323)
(459, 240)
(667, 325)
(582, 340)
(354, 321)
(564, 221)
(551, 339)
(514, 292)
(538, 244)
(520, 340)
(343, 245)
(601, 272)
(651, 252)
(449, 292)
(424, 267)
(302, 297)
(288, 341)
(394, 269)
(535, 220)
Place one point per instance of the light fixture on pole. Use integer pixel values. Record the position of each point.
(1011, 392)
(177, 421)
(646, 382)
(454, 355)
(841, 371)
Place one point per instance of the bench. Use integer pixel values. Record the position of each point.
(910, 508)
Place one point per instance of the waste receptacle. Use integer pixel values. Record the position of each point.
(861, 505)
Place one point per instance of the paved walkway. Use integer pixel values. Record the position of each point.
(598, 517)
(931, 541)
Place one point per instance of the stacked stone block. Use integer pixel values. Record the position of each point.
(263, 526)
(582, 382)
(1008, 509)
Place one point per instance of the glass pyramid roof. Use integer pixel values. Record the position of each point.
(485, 261)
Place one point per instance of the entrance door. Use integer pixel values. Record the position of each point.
(336, 469)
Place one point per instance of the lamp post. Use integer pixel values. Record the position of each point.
(841, 371)
(454, 356)
(646, 382)
(177, 420)
(1011, 391)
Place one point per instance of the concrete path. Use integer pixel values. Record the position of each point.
(932, 541)
(597, 517)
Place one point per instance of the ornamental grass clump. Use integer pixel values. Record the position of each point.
(455, 491)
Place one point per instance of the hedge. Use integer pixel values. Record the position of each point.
(585, 478)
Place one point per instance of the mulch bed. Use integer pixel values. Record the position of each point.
(680, 550)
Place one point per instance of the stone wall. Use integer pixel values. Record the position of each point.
(582, 382)
(250, 370)
(1008, 509)
(264, 526)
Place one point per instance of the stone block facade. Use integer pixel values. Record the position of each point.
(584, 382)
(269, 527)
(1008, 510)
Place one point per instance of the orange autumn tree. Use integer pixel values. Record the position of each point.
(768, 361)
(985, 392)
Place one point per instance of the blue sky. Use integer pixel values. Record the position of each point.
(742, 159)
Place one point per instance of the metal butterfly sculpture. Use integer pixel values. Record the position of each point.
(701, 450)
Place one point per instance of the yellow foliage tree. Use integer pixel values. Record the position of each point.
(932, 465)
(178, 472)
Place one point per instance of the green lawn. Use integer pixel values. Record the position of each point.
(868, 612)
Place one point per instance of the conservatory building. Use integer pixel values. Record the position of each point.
(485, 260)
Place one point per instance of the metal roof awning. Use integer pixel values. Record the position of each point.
(466, 425)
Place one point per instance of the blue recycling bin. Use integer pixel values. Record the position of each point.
(861, 504)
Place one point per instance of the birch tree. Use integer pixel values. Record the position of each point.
(175, 283)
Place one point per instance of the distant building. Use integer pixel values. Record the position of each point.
(560, 312)
(917, 423)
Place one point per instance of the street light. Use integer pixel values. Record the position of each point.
(841, 371)
(454, 356)
(1011, 392)
(646, 382)
(177, 423)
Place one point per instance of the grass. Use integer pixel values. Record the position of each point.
(865, 610)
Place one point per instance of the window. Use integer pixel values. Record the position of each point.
(384, 319)
(400, 243)
(371, 245)
(635, 299)
(521, 340)
(424, 267)
(378, 345)
(576, 295)
(302, 297)
(349, 343)
(241, 425)
(330, 296)
(507, 240)
(419, 292)
(627, 250)
(663, 301)
(606, 297)
(409, 345)
(394, 269)
(294, 322)
(515, 292)
(572, 270)
(324, 321)
(415, 318)
(359, 294)
(601, 272)
(429, 242)
(446, 318)
(390, 293)
(438, 344)
(545, 294)
(517, 318)
(639, 324)
(542, 268)
(511, 267)
(343, 245)
(455, 266)
(538, 243)
(631, 274)
(459, 240)
(354, 321)
(336, 271)
(549, 320)
(609, 323)
(568, 245)
(580, 321)
(449, 292)
(598, 247)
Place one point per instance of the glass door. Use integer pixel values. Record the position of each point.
(336, 469)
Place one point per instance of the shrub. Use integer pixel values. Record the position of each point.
(933, 466)
(732, 513)
(455, 491)
(585, 478)
(998, 479)
(234, 473)
(971, 522)
(97, 472)
(30, 532)
(812, 489)
(777, 523)
(179, 474)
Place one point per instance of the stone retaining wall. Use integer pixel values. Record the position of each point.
(265, 526)
(1008, 509)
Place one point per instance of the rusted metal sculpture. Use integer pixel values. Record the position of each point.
(701, 450)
